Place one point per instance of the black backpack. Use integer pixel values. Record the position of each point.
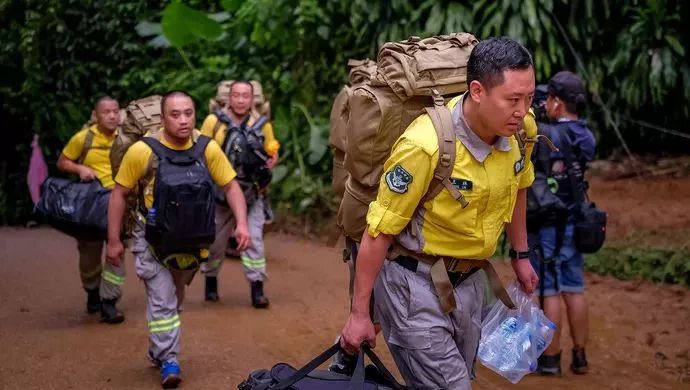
(183, 207)
(544, 207)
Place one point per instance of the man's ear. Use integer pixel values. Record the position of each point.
(476, 90)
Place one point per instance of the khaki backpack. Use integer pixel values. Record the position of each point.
(261, 105)
(142, 116)
(412, 75)
(361, 71)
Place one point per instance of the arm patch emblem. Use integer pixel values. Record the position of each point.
(398, 179)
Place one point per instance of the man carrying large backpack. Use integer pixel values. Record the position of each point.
(554, 251)
(248, 141)
(87, 154)
(440, 241)
(175, 173)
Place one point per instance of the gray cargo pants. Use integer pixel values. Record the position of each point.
(254, 258)
(432, 350)
(165, 294)
(95, 275)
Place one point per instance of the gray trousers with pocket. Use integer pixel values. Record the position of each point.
(97, 275)
(254, 258)
(164, 295)
(432, 350)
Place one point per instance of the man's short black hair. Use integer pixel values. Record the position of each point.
(173, 94)
(490, 58)
(249, 83)
(104, 98)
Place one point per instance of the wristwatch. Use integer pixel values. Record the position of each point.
(515, 255)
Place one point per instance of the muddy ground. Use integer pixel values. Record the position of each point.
(640, 332)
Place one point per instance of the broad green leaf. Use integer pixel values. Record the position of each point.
(231, 5)
(183, 25)
(675, 44)
(530, 10)
(434, 23)
(279, 173)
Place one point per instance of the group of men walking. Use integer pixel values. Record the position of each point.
(220, 157)
(409, 235)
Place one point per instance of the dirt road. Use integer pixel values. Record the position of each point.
(640, 334)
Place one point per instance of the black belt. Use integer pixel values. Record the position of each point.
(456, 278)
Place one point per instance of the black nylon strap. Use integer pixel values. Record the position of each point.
(357, 382)
(309, 367)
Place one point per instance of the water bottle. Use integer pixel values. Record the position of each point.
(543, 332)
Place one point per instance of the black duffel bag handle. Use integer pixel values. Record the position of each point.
(357, 382)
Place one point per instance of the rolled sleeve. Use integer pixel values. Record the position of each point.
(407, 175)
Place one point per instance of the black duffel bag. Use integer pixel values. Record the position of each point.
(590, 228)
(75, 208)
(283, 376)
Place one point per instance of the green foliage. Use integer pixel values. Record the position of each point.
(57, 56)
(657, 265)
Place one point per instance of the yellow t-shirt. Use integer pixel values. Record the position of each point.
(136, 162)
(271, 144)
(489, 177)
(97, 157)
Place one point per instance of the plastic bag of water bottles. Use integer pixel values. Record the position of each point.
(512, 340)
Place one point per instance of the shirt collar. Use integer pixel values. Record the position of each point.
(479, 149)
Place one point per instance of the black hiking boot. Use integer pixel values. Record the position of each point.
(109, 313)
(211, 291)
(549, 365)
(93, 301)
(259, 300)
(579, 365)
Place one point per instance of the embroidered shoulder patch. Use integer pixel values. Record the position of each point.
(519, 165)
(398, 179)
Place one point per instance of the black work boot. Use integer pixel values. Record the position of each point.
(93, 301)
(579, 365)
(549, 365)
(259, 300)
(109, 313)
(211, 291)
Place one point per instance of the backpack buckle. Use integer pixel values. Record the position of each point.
(436, 96)
(445, 159)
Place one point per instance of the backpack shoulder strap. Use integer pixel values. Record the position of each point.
(259, 124)
(443, 124)
(570, 158)
(158, 149)
(197, 151)
(216, 126)
(88, 144)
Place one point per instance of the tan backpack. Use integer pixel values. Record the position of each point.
(142, 116)
(361, 71)
(261, 105)
(412, 75)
